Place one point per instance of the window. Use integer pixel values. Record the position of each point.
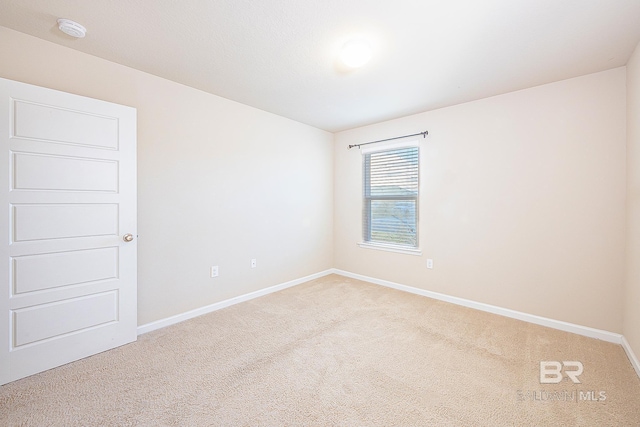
(390, 205)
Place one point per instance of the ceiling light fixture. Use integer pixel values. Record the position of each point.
(356, 53)
(71, 28)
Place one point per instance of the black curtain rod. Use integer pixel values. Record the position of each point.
(424, 135)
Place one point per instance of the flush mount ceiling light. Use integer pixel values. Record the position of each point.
(71, 28)
(356, 53)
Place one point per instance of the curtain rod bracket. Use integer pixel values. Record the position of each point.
(424, 135)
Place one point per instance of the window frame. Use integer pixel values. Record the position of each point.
(367, 199)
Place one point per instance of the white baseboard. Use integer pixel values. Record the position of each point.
(531, 318)
(152, 326)
(631, 355)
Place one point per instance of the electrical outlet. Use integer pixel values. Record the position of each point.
(253, 263)
(214, 271)
(429, 263)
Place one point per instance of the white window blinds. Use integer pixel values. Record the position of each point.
(390, 205)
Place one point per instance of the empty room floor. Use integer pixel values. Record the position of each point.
(335, 351)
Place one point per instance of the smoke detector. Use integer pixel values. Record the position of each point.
(71, 28)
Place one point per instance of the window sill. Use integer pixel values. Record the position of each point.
(390, 248)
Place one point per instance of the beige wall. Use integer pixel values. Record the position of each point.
(631, 328)
(219, 182)
(522, 201)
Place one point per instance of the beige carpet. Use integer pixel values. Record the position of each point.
(334, 352)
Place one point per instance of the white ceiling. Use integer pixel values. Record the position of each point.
(280, 55)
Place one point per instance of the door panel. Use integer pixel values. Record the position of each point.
(45, 321)
(38, 272)
(66, 221)
(68, 187)
(50, 123)
(63, 173)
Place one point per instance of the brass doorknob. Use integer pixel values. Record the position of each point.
(127, 237)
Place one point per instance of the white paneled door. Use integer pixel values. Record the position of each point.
(67, 228)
